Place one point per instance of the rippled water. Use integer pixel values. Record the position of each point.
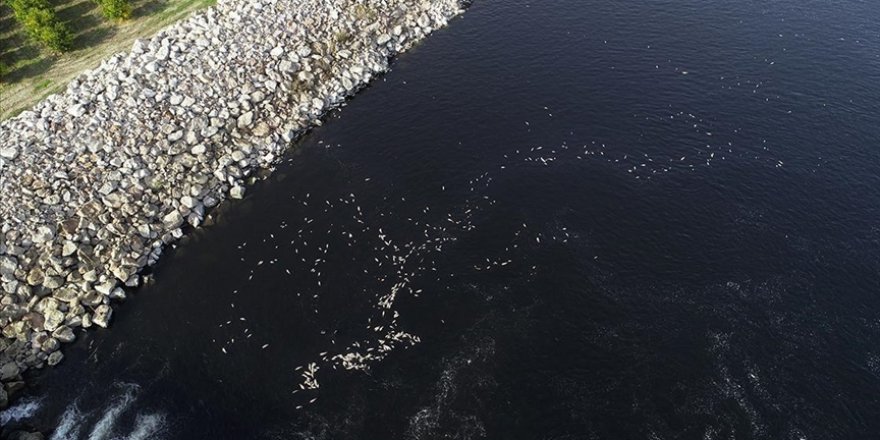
(559, 220)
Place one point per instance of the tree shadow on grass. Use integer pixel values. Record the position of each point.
(6, 22)
(93, 37)
(84, 19)
(29, 70)
(22, 57)
(72, 11)
(19, 53)
(8, 28)
(142, 8)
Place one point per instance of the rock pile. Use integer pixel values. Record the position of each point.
(96, 180)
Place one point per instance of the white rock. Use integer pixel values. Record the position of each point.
(172, 220)
(189, 202)
(9, 152)
(286, 66)
(139, 46)
(237, 192)
(102, 315)
(262, 130)
(424, 21)
(53, 319)
(117, 293)
(43, 234)
(191, 137)
(54, 358)
(245, 120)
(68, 248)
(64, 334)
(106, 287)
(76, 110)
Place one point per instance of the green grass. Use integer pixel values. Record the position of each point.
(184, 5)
(33, 73)
(42, 85)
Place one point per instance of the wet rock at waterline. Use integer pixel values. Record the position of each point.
(97, 179)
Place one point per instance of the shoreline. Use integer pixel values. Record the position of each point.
(95, 181)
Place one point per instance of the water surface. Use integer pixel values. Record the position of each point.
(553, 220)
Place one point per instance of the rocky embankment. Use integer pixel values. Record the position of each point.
(95, 181)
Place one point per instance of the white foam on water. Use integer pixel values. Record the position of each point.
(438, 419)
(69, 425)
(104, 428)
(423, 424)
(147, 426)
(23, 410)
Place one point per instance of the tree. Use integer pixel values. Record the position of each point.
(40, 22)
(115, 9)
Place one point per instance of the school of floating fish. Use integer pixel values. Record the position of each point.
(397, 263)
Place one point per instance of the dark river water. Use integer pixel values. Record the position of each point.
(558, 219)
